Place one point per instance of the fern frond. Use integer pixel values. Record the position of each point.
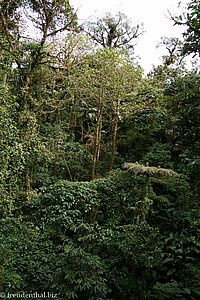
(162, 199)
(150, 171)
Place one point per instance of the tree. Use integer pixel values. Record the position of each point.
(145, 204)
(190, 19)
(28, 52)
(114, 31)
(99, 84)
(174, 47)
(182, 101)
(26, 70)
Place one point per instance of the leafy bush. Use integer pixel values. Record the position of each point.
(91, 224)
(27, 257)
(78, 239)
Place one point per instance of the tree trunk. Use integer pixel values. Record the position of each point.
(98, 134)
(115, 134)
(99, 144)
(70, 176)
(4, 79)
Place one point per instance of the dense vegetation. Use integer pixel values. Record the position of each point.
(99, 178)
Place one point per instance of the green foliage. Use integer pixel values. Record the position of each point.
(171, 289)
(113, 31)
(27, 257)
(194, 169)
(159, 155)
(192, 34)
(9, 151)
(131, 253)
(79, 160)
(180, 270)
(182, 96)
(79, 274)
(143, 119)
(67, 111)
(91, 249)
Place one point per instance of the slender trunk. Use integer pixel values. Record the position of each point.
(99, 145)
(115, 134)
(28, 181)
(39, 122)
(26, 88)
(4, 79)
(74, 113)
(98, 134)
(82, 131)
(67, 166)
(52, 91)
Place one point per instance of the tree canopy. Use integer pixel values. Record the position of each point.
(191, 20)
(114, 31)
